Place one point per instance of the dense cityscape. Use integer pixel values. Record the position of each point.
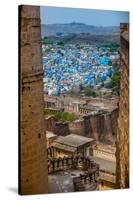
(73, 65)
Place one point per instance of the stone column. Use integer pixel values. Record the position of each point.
(33, 172)
(122, 146)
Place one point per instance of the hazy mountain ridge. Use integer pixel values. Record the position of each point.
(77, 28)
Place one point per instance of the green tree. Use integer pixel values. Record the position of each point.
(89, 91)
(60, 115)
(115, 80)
(60, 43)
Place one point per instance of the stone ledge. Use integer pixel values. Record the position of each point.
(29, 78)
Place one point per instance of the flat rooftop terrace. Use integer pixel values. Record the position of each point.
(74, 140)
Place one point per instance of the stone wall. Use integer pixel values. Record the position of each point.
(100, 126)
(122, 155)
(106, 152)
(62, 128)
(33, 173)
(50, 123)
(57, 127)
(77, 127)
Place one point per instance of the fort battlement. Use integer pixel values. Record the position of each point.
(89, 170)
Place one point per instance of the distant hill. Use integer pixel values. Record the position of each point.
(77, 28)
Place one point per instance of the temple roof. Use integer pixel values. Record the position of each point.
(64, 147)
(74, 140)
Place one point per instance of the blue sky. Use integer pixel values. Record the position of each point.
(53, 15)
